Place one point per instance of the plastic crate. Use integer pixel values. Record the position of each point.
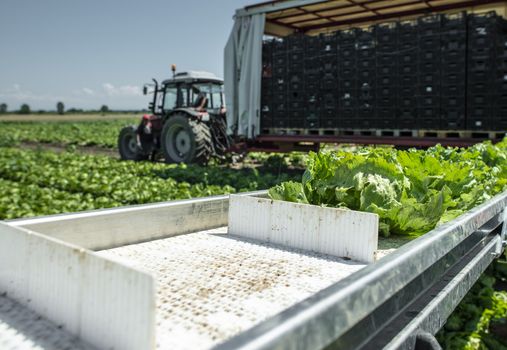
(429, 42)
(386, 101)
(407, 57)
(347, 53)
(280, 60)
(387, 80)
(429, 67)
(454, 22)
(347, 38)
(429, 25)
(312, 44)
(453, 44)
(366, 54)
(386, 59)
(296, 119)
(367, 63)
(296, 58)
(431, 55)
(430, 78)
(386, 32)
(453, 90)
(429, 89)
(432, 123)
(406, 102)
(407, 70)
(347, 73)
(424, 101)
(328, 43)
(453, 102)
(407, 31)
(387, 91)
(453, 78)
(296, 42)
(366, 75)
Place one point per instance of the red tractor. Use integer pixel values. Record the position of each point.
(187, 122)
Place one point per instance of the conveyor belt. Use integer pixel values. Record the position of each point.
(212, 286)
(23, 329)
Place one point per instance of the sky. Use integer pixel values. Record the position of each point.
(87, 53)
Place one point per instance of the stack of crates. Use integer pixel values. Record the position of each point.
(312, 81)
(328, 93)
(296, 97)
(500, 79)
(366, 78)
(386, 37)
(267, 106)
(279, 83)
(428, 72)
(482, 30)
(347, 79)
(454, 67)
(407, 69)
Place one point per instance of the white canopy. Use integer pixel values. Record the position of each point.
(242, 75)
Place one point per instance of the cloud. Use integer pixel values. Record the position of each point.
(124, 90)
(88, 91)
(17, 93)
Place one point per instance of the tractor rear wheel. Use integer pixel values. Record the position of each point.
(185, 140)
(127, 144)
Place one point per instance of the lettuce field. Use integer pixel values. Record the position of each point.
(412, 191)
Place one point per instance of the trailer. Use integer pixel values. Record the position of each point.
(230, 272)
(256, 116)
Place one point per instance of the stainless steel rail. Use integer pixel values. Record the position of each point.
(387, 303)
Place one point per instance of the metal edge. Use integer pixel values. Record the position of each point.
(325, 316)
(78, 289)
(108, 228)
(436, 312)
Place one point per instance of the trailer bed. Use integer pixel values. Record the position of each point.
(212, 286)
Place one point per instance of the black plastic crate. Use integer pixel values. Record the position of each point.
(347, 64)
(266, 122)
(386, 59)
(367, 63)
(453, 90)
(480, 76)
(407, 80)
(328, 43)
(329, 84)
(453, 102)
(296, 42)
(454, 21)
(406, 102)
(407, 30)
(431, 123)
(453, 78)
(429, 25)
(431, 55)
(347, 73)
(311, 123)
(347, 84)
(387, 91)
(480, 20)
(312, 44)
(386, 101)
(407, 57)
(429, 42)
(500, 99)
(385, 32)
(347, 102)
(480, 100)
(347, 53)
(386, 70)
(453, 43)
(366, 73)
(280, 59)
(386, 114)
(424, 101)
(478, 88)
(408, 114)
(429, 67)
(296, 83)
(365, 37)
(330, 123)
(387, 80)
(296, 59)
(329, 64)
(480, 65)
(366, 54)
(281, 122)
(279, 45)
(297, 120)
(407, 46)
(408, 69)
(367, 88)
(407, 91)
(347, 38)
(429, 78)
(429, 89)
(449, 123)
(279, 88)
(453, 56)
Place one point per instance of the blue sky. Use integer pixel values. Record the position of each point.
(91, 52)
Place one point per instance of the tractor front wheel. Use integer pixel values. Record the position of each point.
(127, 144)
(185, 140)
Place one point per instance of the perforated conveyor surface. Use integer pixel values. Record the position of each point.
(211, 286)
(23, 329)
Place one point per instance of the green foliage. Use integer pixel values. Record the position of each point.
(3, 108)
(24, 109)
(40, 183)
(89, 133)
(411, 191)
(483, 311)
(60, 108)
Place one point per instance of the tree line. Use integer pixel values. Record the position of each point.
(60, 109)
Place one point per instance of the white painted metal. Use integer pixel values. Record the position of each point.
(109, 305)
(212, 286)
(338, 232)
(23, 329)
(102, 229)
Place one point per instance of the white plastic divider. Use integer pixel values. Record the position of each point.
(105, 303)
(338, 232)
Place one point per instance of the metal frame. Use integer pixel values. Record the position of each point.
(362, 310)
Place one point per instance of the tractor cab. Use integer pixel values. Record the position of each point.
(187, 122)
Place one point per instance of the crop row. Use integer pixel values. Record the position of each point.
(86, 133)
(101, 182)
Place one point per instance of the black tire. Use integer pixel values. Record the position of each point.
(184, 140)
(127, 144)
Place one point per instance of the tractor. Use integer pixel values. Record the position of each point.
(187, 123)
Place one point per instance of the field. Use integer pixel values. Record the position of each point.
(48, 117)
(35, 180)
